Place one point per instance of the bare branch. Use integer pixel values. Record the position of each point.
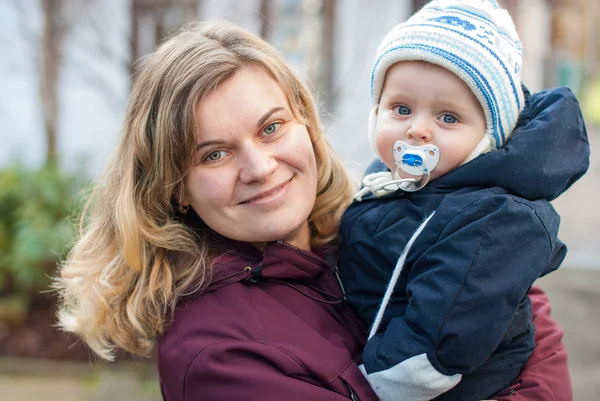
(265, 13)
(27, 32)
(93, 77)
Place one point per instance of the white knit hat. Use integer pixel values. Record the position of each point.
(474, 39)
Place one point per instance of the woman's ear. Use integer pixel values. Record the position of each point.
(180, 201)
(179, 196)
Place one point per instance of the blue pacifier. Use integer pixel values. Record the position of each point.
(416, 161)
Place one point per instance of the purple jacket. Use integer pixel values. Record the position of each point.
(271, 325)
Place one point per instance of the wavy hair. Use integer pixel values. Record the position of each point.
(135, 256)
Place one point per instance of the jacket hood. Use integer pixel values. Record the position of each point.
(544, 156)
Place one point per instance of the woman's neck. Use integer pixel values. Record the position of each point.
(300, 238)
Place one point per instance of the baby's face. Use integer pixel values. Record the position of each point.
(422, 103)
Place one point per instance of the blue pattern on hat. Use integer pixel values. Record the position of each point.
(455, 21)
(490, 51)
(483, 18)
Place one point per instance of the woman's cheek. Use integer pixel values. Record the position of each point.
(298, 150)
(209, 186)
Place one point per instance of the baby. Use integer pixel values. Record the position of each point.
(445, 220)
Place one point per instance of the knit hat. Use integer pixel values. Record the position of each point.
(474, 39)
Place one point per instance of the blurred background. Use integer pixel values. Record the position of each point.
(65, 68)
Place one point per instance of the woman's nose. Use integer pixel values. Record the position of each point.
(257, 164)
(419, 131)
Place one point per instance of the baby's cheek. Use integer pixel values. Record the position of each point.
(385, 148)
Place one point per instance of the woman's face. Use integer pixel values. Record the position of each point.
(254, 174)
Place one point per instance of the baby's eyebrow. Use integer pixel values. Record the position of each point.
(452, 103)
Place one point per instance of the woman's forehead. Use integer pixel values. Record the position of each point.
(243, 102)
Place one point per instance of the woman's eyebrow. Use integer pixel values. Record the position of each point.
(208, 143)
(268, 114)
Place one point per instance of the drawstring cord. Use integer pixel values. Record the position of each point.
(380, 184)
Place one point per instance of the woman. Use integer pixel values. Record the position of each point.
(212, 229)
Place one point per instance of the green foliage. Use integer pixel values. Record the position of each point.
(37, 225)
(591, 102)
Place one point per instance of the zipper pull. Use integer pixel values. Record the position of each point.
(336, 270)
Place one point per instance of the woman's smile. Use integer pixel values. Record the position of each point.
(272, 197)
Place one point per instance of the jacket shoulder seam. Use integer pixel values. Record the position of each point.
(460, 211)
(540, 220)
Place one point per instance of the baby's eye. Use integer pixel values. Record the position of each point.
(449, 119)
(403, 110)
(271, 128)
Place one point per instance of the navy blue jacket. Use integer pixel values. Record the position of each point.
(461, 299)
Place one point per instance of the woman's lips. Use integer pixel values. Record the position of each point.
(269, 197)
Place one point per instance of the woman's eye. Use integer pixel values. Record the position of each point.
(214, 156)
(403, 110)
(449, 119)
(271, 128)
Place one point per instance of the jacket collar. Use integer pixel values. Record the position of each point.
(239, 261)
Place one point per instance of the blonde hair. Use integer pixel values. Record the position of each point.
(135, 256)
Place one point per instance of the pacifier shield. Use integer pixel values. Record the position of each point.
(416, 160)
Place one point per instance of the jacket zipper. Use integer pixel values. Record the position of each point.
(335, 269)
(307, 254)
(353, 395)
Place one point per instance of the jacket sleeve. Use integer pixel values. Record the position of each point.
(240, 370)
(463, 293)
(546, 376)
